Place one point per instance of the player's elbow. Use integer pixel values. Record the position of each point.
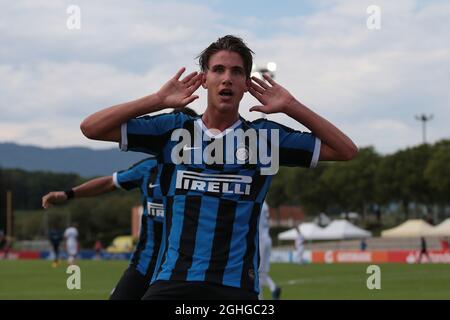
(350, 153)
(88, 129)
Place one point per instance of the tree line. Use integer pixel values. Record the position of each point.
(369, 184)
(102, 217)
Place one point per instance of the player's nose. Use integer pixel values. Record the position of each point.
(227, 79)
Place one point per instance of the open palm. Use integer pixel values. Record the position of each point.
(274, 98)
(177, 93)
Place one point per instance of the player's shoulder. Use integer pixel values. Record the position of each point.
(146, 163)
(171, 120)
(70, 230)
(263, 123)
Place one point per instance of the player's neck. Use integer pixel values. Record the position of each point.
(214, 119)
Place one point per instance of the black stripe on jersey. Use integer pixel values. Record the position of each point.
(139, 162)
(157, 235)
(253, 150)
(295, 157)
(188, 237)
(142, 241)
(246, 124)
(152, 144)
(189, 126)
(222, 241)
(275, 125)
(258, 181)
(248, 271)
(152, 179)
(215, 166)
(168, 221)
(166, 178)
(128, 185)
(290, 156)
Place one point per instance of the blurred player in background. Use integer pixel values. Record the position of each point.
(71, 236)
(299, 245)
(98, 247)
(55, 236)
(265, 247)
(5, 245)
(423, 250)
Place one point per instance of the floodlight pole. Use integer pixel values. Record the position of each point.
(424, 119)
(270, 71)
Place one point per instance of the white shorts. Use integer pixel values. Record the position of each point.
(72, 249)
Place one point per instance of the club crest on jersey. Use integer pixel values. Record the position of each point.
(242, 153)
(218, 183)
(155, 209)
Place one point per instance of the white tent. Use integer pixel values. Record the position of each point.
(342, 229)
(322, 220)
(409, 228)
(308, 230)
(442, 229)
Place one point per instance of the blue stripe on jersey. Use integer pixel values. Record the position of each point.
(188, 237)
(204, 240)
(164, 240)
(255, 239)
(147, 250)
(211, 232)
(173, 241)
(249, 277)
(140, 246)
(238, 241)
(151, 247)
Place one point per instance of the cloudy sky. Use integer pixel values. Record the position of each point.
(369, 82)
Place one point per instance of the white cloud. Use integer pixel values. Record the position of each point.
(369, 83)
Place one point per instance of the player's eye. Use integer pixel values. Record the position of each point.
(218, 69)
(238, 71)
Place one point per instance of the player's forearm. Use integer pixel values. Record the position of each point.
(334, 138)
(94, 187)
(105, 124)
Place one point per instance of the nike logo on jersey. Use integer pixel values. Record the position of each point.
(186, 148)
(151, 185)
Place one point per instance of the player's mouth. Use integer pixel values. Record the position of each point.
(226, 94)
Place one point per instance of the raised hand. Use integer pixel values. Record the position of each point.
(177, 93)
(54, 197)
(274, 98)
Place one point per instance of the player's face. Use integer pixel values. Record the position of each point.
(225, 80)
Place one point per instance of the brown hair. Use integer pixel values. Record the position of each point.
(230, 43)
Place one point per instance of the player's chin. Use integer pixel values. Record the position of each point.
(227, 103)
(228, 107)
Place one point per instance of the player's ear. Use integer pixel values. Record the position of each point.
(204, 84)
(248, 82)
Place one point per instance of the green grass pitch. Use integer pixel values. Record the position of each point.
(38, 280)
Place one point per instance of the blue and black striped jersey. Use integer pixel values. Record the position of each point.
(214, 187)
(144, 175)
